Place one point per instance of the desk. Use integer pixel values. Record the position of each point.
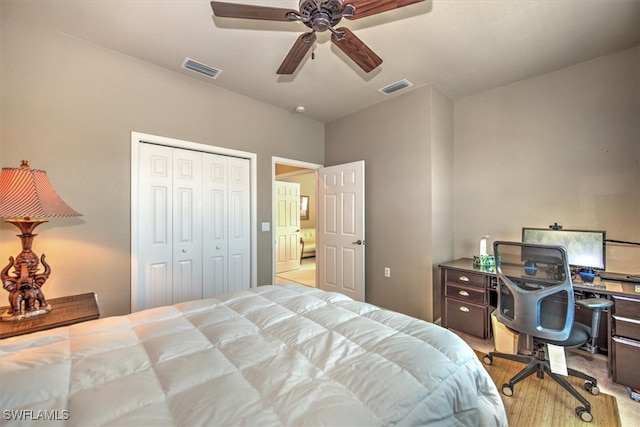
(469, 297)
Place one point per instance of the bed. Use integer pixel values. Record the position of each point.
(277, 355)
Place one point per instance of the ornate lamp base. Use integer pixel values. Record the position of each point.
(9, 316)
(26, 298)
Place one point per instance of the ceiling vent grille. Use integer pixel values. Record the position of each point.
(200, 68)
(394, 87)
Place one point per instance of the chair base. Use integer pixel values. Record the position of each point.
(538, 364)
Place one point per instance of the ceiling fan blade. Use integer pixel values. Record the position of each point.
(297, 53)
(371, 7)
(246, 11)
(355, 49)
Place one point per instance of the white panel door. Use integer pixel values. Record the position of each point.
(239, 224)
(215, 219)
(226, 224)
(155, 238)
(340, 229)
(187, 225)
(287, 226)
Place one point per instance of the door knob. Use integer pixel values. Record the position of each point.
(358, 242)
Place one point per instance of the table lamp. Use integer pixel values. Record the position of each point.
(26, 199)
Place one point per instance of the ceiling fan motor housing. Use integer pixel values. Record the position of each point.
(320, 16)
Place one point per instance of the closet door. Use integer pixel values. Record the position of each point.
(193, 225)
(239, 225)
(226, 214)
(187, 225)
(214, 230)
(155, 237)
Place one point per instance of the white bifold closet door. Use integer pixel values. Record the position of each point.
(194, 232)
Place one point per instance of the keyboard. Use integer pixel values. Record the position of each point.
(620, 277)
(599, 286)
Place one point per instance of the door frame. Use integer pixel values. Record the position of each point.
(289, 162)
(138, 138)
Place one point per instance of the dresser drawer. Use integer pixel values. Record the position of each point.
(626, 307)
(472, 295)
(626, 354)
(467, 317)
(627, 328)
(466, 278)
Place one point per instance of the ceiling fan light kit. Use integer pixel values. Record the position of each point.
(319, 16)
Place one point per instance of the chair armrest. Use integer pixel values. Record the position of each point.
(595, 303)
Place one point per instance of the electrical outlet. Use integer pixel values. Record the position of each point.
(387, 272)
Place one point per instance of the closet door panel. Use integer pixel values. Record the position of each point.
(239, 223)
(187, 225)
(215, 218)
(155, 239)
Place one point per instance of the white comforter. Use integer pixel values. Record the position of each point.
(275, 355)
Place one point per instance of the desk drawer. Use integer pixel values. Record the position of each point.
(467, 317)
(627, 328)
(626, 307)
(472, 295)
(626, 354)
(466, 278)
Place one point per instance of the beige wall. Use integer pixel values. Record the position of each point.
(395, 141)
(563, 147)
(69, 108)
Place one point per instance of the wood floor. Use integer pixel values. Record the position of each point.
(555, 406)
(543, 402)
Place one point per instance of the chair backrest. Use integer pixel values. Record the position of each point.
(535, 293)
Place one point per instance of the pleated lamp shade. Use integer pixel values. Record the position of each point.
(26, 193)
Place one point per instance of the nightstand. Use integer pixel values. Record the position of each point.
(66, 311)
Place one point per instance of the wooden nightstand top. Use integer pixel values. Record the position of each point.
(65, 311)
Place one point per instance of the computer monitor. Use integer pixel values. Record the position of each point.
(585, 248)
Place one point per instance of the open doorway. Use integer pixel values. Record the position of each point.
(304, 174)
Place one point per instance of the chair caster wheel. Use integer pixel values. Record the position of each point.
(507, 390)
(592, 388)
(584, 414)
(487, 359)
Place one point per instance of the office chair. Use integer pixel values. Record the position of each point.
(536, 300)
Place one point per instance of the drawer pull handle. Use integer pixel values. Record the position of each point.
(463, 278)
(464, 309)
(463, 293)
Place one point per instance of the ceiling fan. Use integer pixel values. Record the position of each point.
(319, 16)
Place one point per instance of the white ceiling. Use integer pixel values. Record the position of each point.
(461, 46)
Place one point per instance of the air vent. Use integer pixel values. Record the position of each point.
(200, 68)
(394, 87)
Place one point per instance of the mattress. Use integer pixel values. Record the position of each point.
(278, 355)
